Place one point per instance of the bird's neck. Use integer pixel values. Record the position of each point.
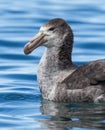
(57, 58)
(54, 66)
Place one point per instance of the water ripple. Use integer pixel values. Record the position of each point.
(20, 104)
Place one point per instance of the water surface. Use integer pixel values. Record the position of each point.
(21, 106)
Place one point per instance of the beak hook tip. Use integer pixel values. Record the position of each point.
(26, 50)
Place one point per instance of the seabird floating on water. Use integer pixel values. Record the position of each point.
(59, 79)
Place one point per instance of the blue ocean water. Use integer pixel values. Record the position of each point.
(21, 106)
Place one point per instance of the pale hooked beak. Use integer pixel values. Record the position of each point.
(36, 41)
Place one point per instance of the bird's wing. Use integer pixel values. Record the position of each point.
(92, 73)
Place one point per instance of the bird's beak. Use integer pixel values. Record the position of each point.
(36, 41)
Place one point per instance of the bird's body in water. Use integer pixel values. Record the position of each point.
(59, 79)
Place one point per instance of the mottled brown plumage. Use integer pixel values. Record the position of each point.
(59, 79)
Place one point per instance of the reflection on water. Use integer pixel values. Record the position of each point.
(21, 107)
(62, 116)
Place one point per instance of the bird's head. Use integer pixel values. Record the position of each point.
(54, 33)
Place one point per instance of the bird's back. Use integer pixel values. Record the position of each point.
(86, 75)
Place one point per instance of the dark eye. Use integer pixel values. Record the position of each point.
(51, 29)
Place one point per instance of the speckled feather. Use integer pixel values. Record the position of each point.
(59, 79)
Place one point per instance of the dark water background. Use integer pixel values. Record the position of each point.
(21, 106)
